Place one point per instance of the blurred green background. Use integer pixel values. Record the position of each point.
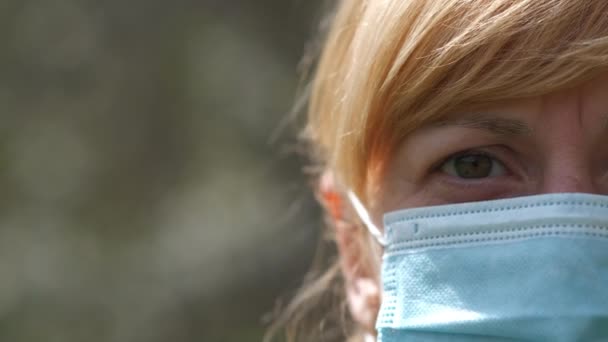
(150, 185)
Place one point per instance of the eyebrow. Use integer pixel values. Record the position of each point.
(494, 124)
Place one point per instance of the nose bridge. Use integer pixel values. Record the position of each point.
(567, 172)
(568, 183)
(566, 166)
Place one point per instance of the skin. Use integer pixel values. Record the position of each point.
(549, 144)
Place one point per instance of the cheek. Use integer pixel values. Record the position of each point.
(396, 191)
(399, 194)
(398, 186)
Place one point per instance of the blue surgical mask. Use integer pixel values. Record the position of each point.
(521, 269)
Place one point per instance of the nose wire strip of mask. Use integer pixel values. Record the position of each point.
(365, 218)
(538, 215)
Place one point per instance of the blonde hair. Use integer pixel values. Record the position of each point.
(390, 66)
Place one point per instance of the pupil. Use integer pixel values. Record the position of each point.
(473, 166)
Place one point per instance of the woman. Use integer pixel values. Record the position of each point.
(467, 142)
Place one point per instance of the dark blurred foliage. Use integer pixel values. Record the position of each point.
(149, 191)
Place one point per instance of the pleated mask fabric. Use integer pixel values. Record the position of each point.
(521, 269)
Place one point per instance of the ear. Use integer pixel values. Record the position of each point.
(361, 282)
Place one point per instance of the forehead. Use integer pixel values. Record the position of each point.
(586, 104)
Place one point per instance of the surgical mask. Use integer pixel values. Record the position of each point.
(521, 269)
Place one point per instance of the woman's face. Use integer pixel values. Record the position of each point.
(553, 143)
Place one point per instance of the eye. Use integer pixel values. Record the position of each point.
(473, 165)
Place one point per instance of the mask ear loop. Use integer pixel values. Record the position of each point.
(364, 216)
